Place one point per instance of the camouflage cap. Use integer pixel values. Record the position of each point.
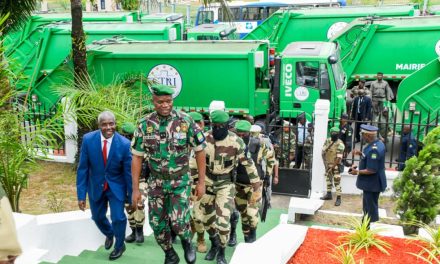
(160, 89)
(243, 126)
(196, 116)
(128, 128)
(334, 129)
(219, 117)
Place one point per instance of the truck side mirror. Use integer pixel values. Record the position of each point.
(332, 59)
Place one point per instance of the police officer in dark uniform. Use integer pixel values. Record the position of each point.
(371, 173)
(346, 135)
(408, 147)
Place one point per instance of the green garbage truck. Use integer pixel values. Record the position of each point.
(12, 39)
(237, 72)
(317, 24)
(418, 97)
(48, 46)
(212, 32)
(395, 46)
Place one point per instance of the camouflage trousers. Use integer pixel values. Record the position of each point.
(217, 206)
(249, 212)
(137, 217)
(308, 159)
(169, 208)
(196, 214)
(333, 174)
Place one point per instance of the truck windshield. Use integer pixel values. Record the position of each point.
(338, 75)
(206, 17)
(312, 74)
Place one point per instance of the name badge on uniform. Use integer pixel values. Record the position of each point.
(374, 156)
(150, 136)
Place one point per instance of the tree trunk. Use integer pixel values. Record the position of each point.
(78, 44)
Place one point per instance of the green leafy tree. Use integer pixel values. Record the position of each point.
(129, 4)
(18, 12)
(418, 188)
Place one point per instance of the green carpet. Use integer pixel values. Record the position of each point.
(149, 252)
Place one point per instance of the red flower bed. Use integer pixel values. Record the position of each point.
(317, 248)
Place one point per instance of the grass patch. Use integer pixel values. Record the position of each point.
(52, 187)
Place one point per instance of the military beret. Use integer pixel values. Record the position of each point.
(344, 116)
(256, 128)
(243, 126)
(334, 129)
(196, 116)
(219, 117)
(369, 128)
(128, 128)
(160, 89)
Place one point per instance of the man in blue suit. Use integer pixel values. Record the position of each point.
(361, 112)
(104, 172)
(371, 177)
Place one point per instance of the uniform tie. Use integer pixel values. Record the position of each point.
(104, 156)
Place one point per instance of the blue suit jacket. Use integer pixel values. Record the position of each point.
(365, 108)
(92, 174)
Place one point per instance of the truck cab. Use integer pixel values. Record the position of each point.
(309, 71)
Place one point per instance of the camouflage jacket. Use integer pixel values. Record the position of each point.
(223, 156)
(332, 150)
(266, 153)
(308, 145)
(287, 144)
(167, 141)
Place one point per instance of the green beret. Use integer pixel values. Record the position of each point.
(160, 89)
(219, 117)
(243, 126)
(128, 128)
(334, 129)
(196, 116)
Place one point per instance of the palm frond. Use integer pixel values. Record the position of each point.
(18, 10)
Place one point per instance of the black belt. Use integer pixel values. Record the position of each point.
(218, 177)
(169, 176)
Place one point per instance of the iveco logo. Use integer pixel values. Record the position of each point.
(288, 80)
(167, 75)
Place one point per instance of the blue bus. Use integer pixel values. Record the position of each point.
(246, 16)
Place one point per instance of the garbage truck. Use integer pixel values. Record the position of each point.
(48, 46)
(418, 98)
(397, 47)
(317, 24)
(12, 39)
(237, 72)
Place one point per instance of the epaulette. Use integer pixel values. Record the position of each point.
(374, 146)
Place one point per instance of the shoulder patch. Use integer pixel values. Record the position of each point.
(374, 156)
(200, 137)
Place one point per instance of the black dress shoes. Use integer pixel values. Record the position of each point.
(117, 253)
(108, 243)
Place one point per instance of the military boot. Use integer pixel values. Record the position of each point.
(215, 246)
(252, 235)
(171, 257)
(247, 236)
(221, 256)
(338, 200)
(132, 237)
(233, 235)
(189, 250)
(201, 245)
(139, 234)
(328, 196)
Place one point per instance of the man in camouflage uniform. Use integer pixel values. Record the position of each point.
(224, 152)
(9, 246)
(259, 151)
(167, 136)
(332, 153)
(286, 150)
(136, 217)
(196, 212)
(308, 148)
(381, 92)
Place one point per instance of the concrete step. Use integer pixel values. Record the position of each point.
(303, 206)
(31, 256)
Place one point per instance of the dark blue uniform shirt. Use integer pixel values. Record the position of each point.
(373, 159)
